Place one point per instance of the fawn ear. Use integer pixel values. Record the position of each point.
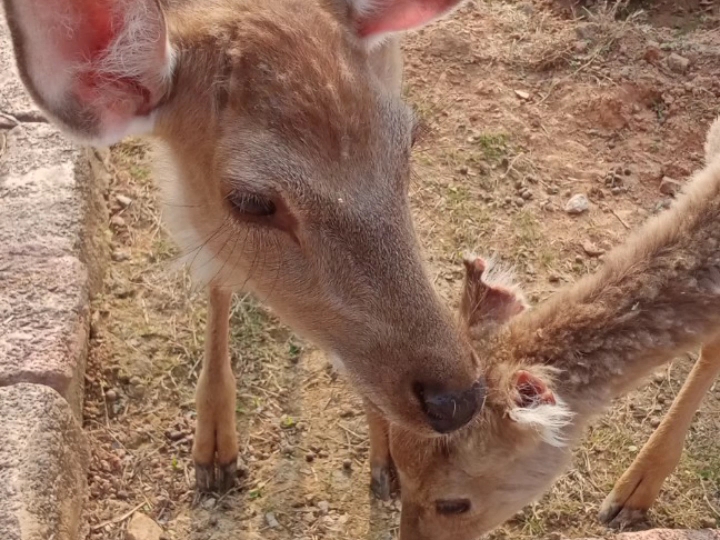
(534, 405)
(485, 298)
(98, 68)
(374, 19)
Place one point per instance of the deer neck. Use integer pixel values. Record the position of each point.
(656, 296)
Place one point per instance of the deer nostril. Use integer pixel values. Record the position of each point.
(447, 411)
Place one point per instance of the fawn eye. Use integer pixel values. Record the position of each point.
(250, 204)
(452, 507)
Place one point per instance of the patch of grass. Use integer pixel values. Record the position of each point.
(494, 146)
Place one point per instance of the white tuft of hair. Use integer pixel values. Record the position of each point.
(549, 420)
(712, 143)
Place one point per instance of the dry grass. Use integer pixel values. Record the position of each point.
(492, 176)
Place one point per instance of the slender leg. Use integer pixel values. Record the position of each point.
(215, 448)
(636, 490)
(380, 460)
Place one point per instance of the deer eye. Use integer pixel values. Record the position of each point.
(452, 507)
(253, 205)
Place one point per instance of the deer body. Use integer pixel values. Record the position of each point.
(284, 147)
(551, 370)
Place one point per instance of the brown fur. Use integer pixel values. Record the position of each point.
(656, 296)
(280, 101)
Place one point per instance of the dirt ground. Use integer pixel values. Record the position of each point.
(528, 103)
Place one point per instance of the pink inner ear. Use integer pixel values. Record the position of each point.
(399, 15)
(532, 391)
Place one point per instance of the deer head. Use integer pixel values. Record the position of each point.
(462, 486)
(285, 150)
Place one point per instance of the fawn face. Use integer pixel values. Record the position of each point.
(286, 155)
(462, 486)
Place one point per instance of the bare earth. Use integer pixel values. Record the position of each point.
(528, 103)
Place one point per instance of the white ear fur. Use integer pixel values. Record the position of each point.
(549, 420)
(96, 70)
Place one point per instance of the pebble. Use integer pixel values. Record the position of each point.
(323, 506)
(591, 250)
(111, 395)
(522, 94)
(119, 255)
(309, 457)
(209, 503)
(577, 204)
(174, 435)
(668, 186)
(141, 527)
(347, 464)
(271, 520)
(123, 200)
(655, 421)
(677, 63)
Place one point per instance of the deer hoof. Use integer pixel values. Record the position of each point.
(212, 478)
(226, 475)
(204, 477)
(618, 516)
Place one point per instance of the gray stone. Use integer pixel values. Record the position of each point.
(51, 215)
(42, 465)
(577, 204)
(677, 63)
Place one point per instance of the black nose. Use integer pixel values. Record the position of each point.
(446, 410)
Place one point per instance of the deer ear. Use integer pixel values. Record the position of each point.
(485, 298)
(533, 404)
(98, 68)
(375, 19)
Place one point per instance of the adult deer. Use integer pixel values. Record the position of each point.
(549, 371)
(286, 160)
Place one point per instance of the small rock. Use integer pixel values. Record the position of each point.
(677, 63)
(632, 448)
(323, 506)
(309, 457)
(347, 464)
(522, 94)
(655, 421)
(271, 520)
(142, 527)
(323, 454)
(659, 378)
(174, 435)
(708, 523)
(209, 503)
(591, 250)
(652, 53)
(668, 186)
(526, 194)
(123, 200)
(111, 395)
(117, 221)
(577, 204)
(119, 255)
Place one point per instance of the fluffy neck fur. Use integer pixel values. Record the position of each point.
(656, 296)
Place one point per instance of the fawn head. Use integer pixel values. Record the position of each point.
(286, 153)
(461, 486)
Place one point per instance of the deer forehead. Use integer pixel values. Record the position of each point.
(298, 79)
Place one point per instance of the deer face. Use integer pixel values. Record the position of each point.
(286, 165)
(462, 486)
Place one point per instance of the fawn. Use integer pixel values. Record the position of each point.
(285, 153)
(550, 370)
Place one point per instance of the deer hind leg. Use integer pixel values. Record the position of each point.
(381, 465)
(636, 490)
(215, 448)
